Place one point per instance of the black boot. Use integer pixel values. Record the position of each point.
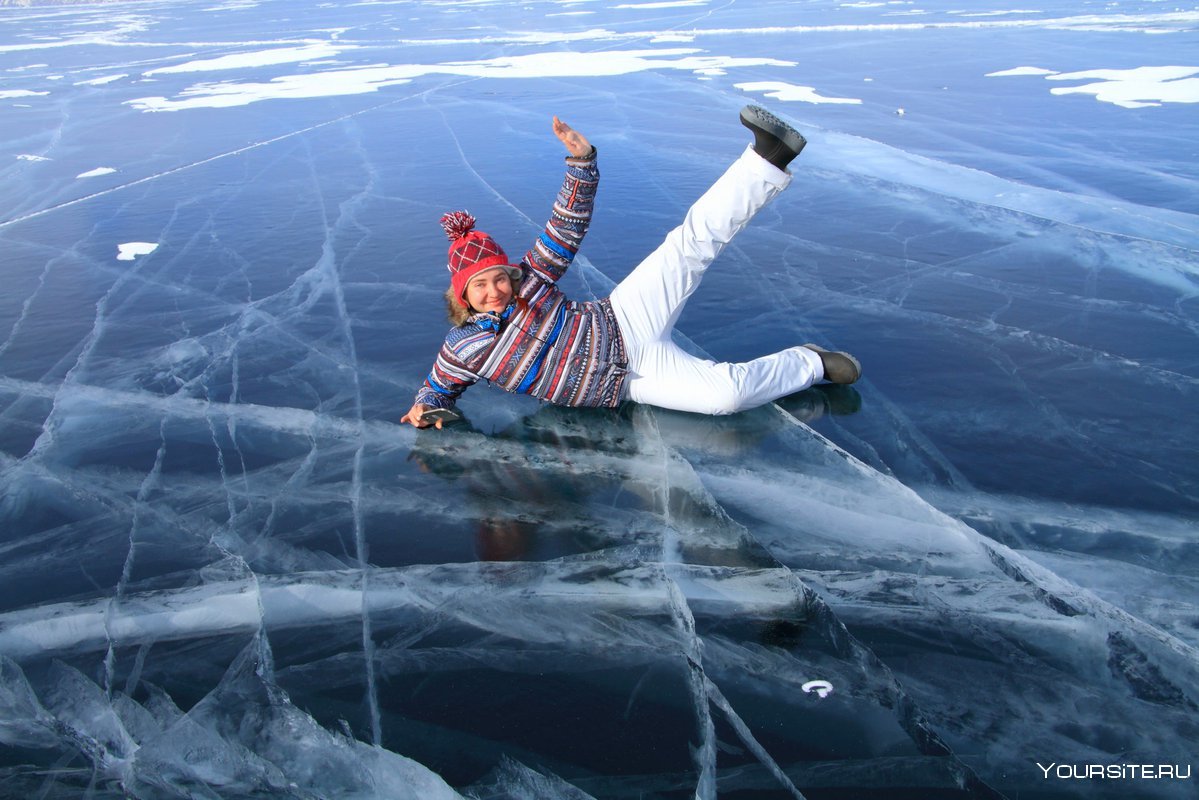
(774, 140)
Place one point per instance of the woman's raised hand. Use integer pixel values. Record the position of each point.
(575, 142)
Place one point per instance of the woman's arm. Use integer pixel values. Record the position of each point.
(445, 383)
(555, 248)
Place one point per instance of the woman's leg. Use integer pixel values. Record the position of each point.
(648, 302)
(668, 377)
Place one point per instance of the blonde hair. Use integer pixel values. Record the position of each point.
(457, 312)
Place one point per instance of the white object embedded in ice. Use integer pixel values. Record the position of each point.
(821, 688)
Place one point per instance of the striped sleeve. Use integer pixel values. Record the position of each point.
(555, 248)
(448, 379)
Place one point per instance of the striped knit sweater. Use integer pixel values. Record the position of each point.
(543, 344)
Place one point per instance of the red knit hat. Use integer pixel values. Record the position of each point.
(471, 252)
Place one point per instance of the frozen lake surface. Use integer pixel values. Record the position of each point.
(226, 571)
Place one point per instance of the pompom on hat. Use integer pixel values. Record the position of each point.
(471, 252)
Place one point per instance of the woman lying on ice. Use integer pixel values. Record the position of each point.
(515, 328)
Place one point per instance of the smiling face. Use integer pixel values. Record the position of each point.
(490, 290)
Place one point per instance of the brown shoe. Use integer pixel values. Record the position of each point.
(839, 367)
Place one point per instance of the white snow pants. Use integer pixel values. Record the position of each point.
(648, 302)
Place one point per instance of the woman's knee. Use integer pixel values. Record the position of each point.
(725, 400)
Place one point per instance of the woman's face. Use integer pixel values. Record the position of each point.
(490, 290)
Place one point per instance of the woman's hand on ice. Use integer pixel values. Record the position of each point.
(414, 414)
(575, 142)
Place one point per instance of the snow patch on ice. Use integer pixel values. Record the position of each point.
(1135, 88)
(11, 94)
(29, 157)
(369, 79)
(1000, 13)
(97, 172)
(106, 79)
(1018, 71)
(131, 250)
(258, 58)
(788, 92)
(234, 5)
(664, 4)
(1139, 87)
(672, 37)
(1132, 23)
